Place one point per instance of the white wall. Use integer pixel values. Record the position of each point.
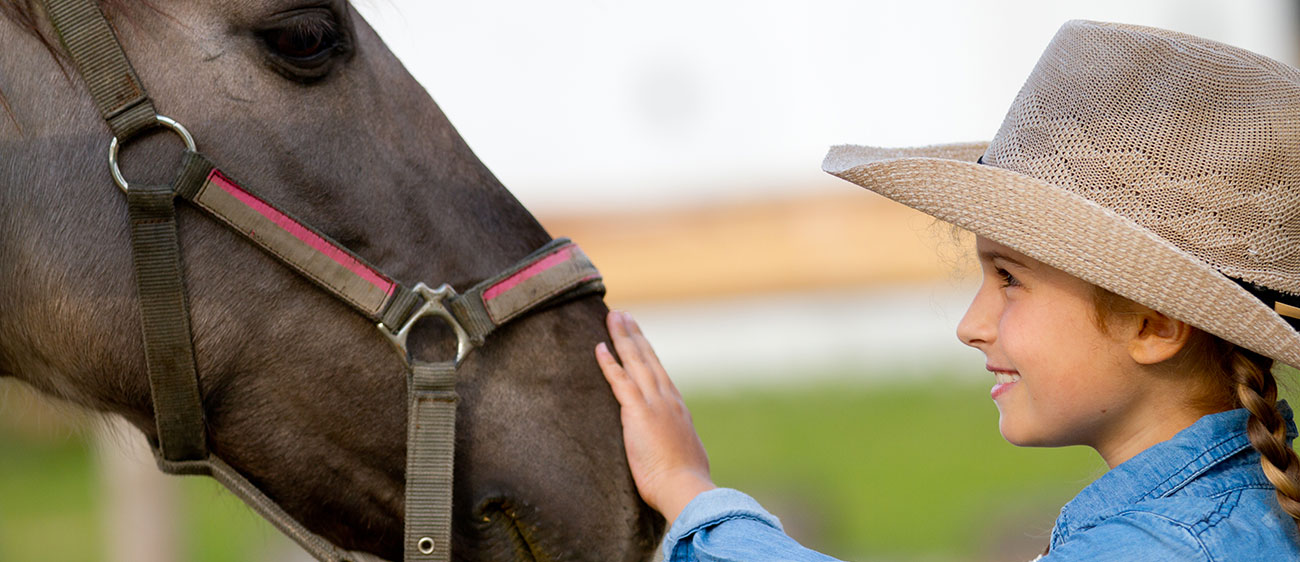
(605, 102)
(593, 104)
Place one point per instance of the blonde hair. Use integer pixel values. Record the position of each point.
(1231, 377)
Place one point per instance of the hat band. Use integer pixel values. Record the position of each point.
(1276, 300)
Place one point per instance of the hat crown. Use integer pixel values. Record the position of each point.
(1194, 140)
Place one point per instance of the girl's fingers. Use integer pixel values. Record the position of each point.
(664, 454)
(634, 361)
(625, 389)
(647, 352)
(618, 334)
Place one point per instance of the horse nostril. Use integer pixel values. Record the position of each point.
(501, 532)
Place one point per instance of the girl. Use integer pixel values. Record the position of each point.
(1137, 222)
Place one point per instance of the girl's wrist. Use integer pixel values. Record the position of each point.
(682, 493)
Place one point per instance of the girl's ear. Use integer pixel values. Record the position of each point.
(1157, 337)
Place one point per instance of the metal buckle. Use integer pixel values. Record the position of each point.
(113, 145)
(434, 305)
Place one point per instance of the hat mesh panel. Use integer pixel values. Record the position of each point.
(1197, 141)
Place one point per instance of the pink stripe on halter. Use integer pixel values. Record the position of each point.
(537, 267)
(302, 233)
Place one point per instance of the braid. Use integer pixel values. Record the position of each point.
(1237, 378)
(1257, 392)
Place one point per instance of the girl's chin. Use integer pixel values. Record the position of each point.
(1013, 434)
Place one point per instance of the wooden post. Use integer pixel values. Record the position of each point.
(139, 503)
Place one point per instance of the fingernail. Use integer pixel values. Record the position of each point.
(600, 348)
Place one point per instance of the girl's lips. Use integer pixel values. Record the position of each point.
(999, 389)
(1004, 381)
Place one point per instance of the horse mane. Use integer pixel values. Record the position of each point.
(22, 13)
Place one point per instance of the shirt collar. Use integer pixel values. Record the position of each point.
(1162, 469)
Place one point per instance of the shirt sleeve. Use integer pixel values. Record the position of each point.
(725, 525)
(1133, 536)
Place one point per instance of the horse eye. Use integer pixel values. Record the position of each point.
(303, 44)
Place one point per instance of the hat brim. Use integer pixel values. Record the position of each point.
(1068, 232)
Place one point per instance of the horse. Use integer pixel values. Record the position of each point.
(301, 395)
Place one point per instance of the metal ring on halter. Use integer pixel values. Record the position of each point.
(113, 145)
(434, 305)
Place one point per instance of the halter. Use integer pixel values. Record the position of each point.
(556, 272)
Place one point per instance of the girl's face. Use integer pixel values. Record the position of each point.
(1059, 379)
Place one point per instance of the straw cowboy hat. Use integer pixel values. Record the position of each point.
(1158, 165)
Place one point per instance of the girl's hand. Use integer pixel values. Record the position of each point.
(668, 461)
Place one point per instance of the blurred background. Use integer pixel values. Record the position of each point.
(810, 324)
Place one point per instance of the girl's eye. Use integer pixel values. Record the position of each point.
(1007, 279)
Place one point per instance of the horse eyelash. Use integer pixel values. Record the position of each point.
(317, 28)
(312, 25)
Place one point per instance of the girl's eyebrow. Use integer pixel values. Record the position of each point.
(991, 255)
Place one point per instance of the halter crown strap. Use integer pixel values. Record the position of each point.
(89, 40)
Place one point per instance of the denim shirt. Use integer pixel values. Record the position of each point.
(1201, 495)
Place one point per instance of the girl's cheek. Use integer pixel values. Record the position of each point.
(1019, 340)
(1010, 328)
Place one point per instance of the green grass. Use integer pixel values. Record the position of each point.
(45, 499)
(905, 472)
(896, 472)
(50, 507)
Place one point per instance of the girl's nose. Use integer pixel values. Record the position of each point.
(978, 327)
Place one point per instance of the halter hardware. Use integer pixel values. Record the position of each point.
(160, 121)
(434, 305)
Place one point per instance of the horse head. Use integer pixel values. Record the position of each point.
(301, 394)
